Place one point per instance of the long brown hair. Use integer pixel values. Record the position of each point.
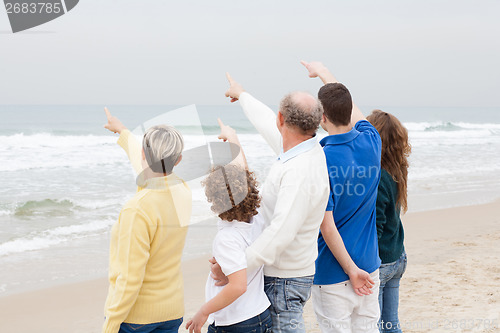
(395, 151)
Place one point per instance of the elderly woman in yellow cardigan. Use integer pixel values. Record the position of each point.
(145, 280)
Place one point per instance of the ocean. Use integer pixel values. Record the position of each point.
(64, 179)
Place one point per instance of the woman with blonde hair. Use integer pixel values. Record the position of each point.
(391, 202)
(146, 292)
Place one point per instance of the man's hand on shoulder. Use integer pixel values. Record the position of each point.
(217, 274)
(235, 89)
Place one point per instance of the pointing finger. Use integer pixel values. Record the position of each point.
(304, 63)
(108, 114)
(221, 124)
(229, 78)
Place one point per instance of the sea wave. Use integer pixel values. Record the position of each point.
(45, 151)
(47, 238)
(57, 207)
(450, 126)
(47, 207)
(51, 140)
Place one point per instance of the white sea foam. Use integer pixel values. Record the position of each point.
(21, 140)
(55, 236)
(444, 126)
(446, 152)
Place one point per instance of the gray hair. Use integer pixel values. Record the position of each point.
(301, 114)
(162, 146)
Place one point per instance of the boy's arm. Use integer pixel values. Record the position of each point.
(259, 114)
(236, 287)
(228, 134)
(126, 140)
(360, 280)
(317, 69)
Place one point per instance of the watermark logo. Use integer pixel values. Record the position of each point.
(200, 158)
(27, 14)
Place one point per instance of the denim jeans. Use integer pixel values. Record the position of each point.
(288, 297)
(171, 326)
(388, 297)
(259, 324)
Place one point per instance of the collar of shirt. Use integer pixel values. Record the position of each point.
(338, 139)
(234, 224)
(298, 149)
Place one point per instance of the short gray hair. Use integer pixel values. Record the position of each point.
(304, 116)
(162, 146)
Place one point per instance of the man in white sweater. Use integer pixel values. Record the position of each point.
(294, 198)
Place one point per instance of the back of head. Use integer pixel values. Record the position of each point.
(301, 111)
(395, 150)
(337, 103)
(232, 191)
(163, 147)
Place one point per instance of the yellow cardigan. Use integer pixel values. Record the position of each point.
(145, 279)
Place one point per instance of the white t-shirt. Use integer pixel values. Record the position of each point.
(228, 249)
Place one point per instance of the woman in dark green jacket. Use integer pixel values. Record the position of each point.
(391, 202)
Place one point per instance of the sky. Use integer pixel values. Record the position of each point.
(388, 53)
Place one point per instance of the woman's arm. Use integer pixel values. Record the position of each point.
(127, 141)
(236, 287)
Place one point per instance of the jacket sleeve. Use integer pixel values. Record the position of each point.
(133, 148)
(263, 119)
(382, 202)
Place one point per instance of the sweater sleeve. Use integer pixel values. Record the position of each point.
(288, 217)
(263, 119)
(131, 260)
(133, 148)
(383, 196)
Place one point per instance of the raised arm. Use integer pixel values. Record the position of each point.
(317, 69)
(126, 140)
(259, 114)
(229, 134)
(360, 280)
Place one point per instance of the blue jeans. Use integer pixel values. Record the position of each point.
(171, 326)
(388, 297)
(288, 297)
(259, 324)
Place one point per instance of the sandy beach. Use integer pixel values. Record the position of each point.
(451, 284)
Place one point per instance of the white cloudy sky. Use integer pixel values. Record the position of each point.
(389, 53)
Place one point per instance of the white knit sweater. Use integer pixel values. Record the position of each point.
(294, 199)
